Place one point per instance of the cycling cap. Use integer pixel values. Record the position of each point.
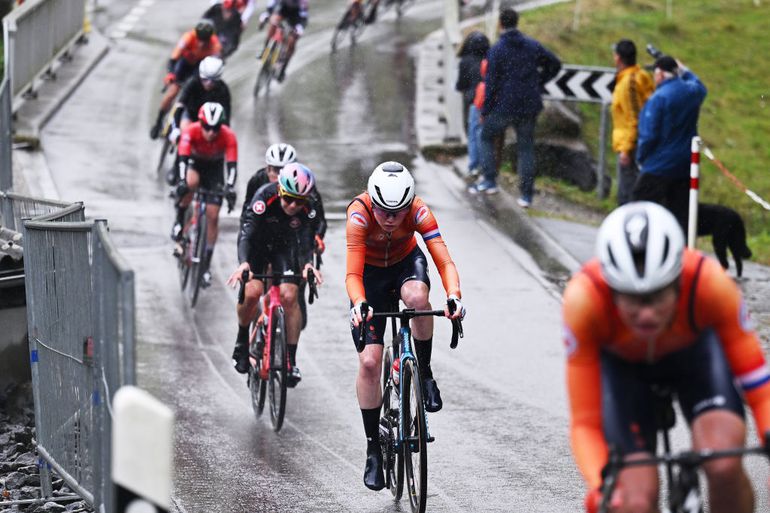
(211, 68)
(640, 248)
(204, 29)
(296, 180)
(391, 186)
(211, 114)
(280, 154)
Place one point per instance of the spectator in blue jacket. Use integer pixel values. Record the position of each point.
(518, 68)
(667, 124)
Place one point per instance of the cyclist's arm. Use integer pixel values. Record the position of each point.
(427, 227)
(231, 157)
(226, 103)
(216, 46)
(184, 43)
(252, 227)
(247, 12)
(730, 318)
(320, 218)
(184, 151)
(584, 378)
(356, 229)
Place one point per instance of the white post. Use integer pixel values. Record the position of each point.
(576, 16)
(692, 220)
(490, 20)
(142, 452)
(452, 100)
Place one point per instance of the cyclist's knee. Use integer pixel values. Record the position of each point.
(726, 472)
(289, 294)
(370, 366)
(415, 295)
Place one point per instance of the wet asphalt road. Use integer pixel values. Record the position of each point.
(501, 440)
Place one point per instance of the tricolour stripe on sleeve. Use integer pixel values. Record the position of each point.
(756, 378)
(431, 235)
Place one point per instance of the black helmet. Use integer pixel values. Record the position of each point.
(204, 29)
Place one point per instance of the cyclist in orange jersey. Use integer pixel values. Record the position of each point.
(383, 256)
(192, 48)
(645, 313)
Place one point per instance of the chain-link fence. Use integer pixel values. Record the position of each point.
(80, 311)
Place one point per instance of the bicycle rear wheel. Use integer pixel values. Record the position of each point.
(392, 456)
(184, 261)
(258, 386)
(198, 256)
(266, 70)
(165, 151)
(340, 30)
(278, 353)
(415, 447)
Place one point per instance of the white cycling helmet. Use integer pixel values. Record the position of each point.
(640, 247)
(280, 154)
(391, 186)
(211, 68)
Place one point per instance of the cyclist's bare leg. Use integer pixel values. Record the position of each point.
(169, 96)
(193, 181)
(638, 488)
(414, 294)
(291, 43)
(247, 311)
(275, 21)
(212, 216)
(368, 380)
(729, 487)
(293, 315)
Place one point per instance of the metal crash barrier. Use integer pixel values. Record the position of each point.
(36, 35)
(80, 315)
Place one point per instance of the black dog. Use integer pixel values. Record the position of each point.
(727, 231)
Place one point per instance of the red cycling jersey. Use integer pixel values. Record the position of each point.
(708, 299)
(191, 49)
(193, 144)
(369, 243)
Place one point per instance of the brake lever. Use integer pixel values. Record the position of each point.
(312, 290)
(361, 343)
(457, 325)
(242, 292)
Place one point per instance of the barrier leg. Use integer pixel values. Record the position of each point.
(692, 219)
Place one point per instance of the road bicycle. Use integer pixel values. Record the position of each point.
(269, 364)
(404, 432)
(352, 24)
(191, 249)
(684, 493)
(168, 147)
(272, 59)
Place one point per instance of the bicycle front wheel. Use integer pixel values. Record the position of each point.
(257, 385)
(392, 455)
(277, 387)
(415, 446)
(184, 261)
(198, 257)
(266, 70)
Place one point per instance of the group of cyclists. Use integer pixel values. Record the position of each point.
(645, 313)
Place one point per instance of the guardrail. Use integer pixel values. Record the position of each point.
(80, 316)
(36, 35)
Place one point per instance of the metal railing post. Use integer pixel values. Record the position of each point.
(6, 160)
(603, 181)
(692, 218)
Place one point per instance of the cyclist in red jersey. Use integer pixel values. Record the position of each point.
(206, 147)
(192, 48)
(382, 256)
(647, 313)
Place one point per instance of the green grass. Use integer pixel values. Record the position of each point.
(726, 43)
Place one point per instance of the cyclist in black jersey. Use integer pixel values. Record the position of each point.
(295, 14)
(206, 86)
(227, 23)
(277, 230)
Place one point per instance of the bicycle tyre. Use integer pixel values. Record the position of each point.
(392, 455)
(266, 70)
(164, 152)
(277, 385)
(340, 30)
(199, 255)
(257, 385)
(415, 446)
(184, 261)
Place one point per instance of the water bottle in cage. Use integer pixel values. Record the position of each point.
(396, 370)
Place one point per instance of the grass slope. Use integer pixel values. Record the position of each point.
(726, 43)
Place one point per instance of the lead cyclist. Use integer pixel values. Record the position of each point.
(295, 13)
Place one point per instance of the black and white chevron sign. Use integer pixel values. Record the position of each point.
(581, 83)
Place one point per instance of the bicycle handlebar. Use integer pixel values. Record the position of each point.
(246, 275)
(405, 315)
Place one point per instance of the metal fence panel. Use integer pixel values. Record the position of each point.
(36, 34)
(58, 287)
(28, 207)
(6, 163)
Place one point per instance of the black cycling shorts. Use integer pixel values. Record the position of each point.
(698, 376)
(291, 15)
(279, 261)
(380, 284)
(184, 70)
(211, 173)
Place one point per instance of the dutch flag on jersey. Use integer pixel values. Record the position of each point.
(755, 379)
(432, 234)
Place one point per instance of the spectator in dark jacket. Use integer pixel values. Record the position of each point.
(518, 68)
(667, 124)
(473, 50)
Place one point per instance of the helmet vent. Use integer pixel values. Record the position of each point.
(393, 167)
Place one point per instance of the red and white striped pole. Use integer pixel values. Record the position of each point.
(692, 222)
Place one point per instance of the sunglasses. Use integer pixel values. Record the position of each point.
(389, 213)
(210, 128)
(293, 199)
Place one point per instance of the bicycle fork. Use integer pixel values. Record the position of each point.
(406, 356)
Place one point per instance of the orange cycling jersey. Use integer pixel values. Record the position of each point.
(369, 243)
(191, 49)
(708, 299)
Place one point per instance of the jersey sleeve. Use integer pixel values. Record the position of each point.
(584, 378)
(427, 226)
(730, 318)
(251, 229)
(231, 147)
(185, 143)
(320, 223)
(356, 229)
